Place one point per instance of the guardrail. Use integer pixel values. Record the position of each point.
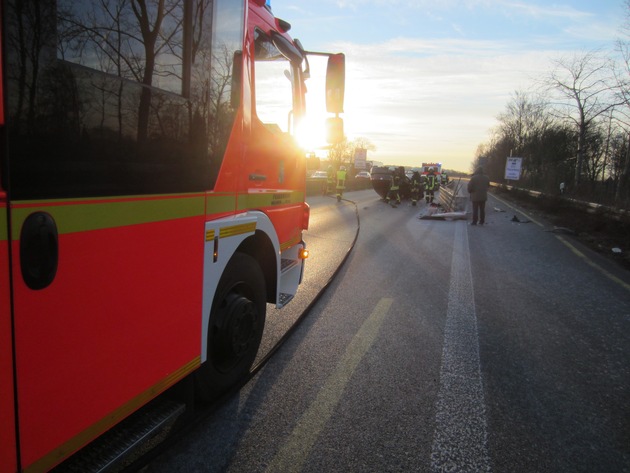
(450, 197)
(590, 207)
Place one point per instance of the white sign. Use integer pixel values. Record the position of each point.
(360, 156)
(513, 168)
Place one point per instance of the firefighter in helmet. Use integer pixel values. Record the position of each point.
(393, 194)
(341, 182)
(430, 185)
(417, 187)
(330, 180)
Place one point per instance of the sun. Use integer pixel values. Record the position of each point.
(310, 133)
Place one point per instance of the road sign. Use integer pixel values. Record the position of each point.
(513, 168)
(360, 155)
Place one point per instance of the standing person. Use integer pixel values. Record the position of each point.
(341, 182)
(330, 180)
(430, 185)
(417, 188)
(478, 189)
(393, 193)
(562, 187)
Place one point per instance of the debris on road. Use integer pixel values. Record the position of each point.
(563, 230)
(517, 220)
(435, 212)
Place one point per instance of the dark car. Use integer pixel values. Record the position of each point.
(382, 181)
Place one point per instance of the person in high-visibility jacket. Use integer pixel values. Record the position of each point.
(393, 194)
(330, 180)
(341, 182)
(417, 188)
(430, 185)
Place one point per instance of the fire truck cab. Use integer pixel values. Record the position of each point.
(152, 202)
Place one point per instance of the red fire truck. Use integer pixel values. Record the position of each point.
(152, 200)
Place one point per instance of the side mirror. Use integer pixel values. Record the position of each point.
(335, 83)
(334, 130)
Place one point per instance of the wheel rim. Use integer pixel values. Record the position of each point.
(235, 331)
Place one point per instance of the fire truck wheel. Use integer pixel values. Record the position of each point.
(236, 326)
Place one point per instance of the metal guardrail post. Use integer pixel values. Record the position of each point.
(449, 197)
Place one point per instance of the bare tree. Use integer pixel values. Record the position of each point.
(340, 153)
(622, 78)
(28, 36)
(585, 90)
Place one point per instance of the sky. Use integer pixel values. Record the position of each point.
(426, 79)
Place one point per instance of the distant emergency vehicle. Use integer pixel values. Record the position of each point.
(437, 168)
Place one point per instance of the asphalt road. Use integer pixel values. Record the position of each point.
(439, 347)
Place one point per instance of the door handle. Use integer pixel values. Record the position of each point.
(39, 250)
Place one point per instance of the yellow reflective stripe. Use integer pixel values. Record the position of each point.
(4, 231)
(83, 215)
(288, 244)
(234, 230)
(210, 235)
(220, 203)
(96, 429)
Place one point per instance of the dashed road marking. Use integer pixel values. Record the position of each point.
(293, 454)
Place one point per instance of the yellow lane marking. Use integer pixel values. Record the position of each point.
(519, 211)
(577, 252)
(591, 263)
(293, 454)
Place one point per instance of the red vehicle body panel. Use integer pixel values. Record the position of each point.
(8, 447)
(102, 276)
(121, 321)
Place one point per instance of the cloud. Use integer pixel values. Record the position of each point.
(418, 99)
(427, 79)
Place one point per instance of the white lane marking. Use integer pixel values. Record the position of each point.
(292, 455)
(460, 441)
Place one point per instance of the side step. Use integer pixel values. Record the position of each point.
(127, 441)
(285, 298)
(290, 276)
(286, 264)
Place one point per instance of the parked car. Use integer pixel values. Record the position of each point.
(319, 175)
(363, 175)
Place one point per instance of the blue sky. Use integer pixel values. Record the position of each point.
(426, 79)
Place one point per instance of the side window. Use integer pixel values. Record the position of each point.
(119, 97)
(275, 77)
(139, 41)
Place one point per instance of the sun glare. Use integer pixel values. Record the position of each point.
(311, 132)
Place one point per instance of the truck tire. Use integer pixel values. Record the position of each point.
(235, 329)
